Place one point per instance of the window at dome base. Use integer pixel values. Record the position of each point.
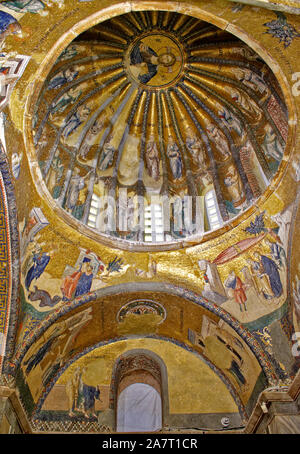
(153, 127)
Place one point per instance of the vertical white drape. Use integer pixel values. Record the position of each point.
(139, 409)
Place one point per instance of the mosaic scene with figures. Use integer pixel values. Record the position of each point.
(149, 213)
(160, 128)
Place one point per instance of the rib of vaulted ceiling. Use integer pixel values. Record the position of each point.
(149, 176)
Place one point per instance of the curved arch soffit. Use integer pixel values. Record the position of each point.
(165, 288)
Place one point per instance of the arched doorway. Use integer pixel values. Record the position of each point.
(139, 392)
(139, 409)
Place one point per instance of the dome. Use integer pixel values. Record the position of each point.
(154, 127)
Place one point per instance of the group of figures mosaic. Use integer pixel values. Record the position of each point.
(147, 124)
(90, 154)
(260, 284)
(76, 280)
(176, 141)
(256, 289)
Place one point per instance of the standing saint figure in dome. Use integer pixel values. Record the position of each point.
(175, 158)
(219, 140)
(152, 158)
(234, 186)
(63, 77)
(89, 140)
(271, 145)
(195, 147)
(77, 183)
(107, 155)
(68, 98)
(77, 119)
(253, 81)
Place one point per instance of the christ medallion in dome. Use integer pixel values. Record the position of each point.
(154, 60)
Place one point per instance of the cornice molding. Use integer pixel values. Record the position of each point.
(273, 402)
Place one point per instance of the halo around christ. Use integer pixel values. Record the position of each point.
(154, 60)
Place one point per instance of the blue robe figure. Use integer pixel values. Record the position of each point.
(175, 160)
(85, 281)
(40, 261)
(30, 6)
(278, 254)
(236, 372)
(62, 78)
(142, 54)
(37, 358)
(231, 122)
(8, 25)
(271, 269)
(72, 124)
(90, 394)
(65, 100)
(76, 120)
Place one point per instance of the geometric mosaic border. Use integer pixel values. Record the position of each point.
(9, 261)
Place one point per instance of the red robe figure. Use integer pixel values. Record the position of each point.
(236, 284)
(79, 282)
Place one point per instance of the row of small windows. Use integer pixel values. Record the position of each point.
(94, 210)
(153, 217)
(154, 228)
(212, 210)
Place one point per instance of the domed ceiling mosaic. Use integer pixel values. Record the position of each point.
(151, 171)
(156, 126)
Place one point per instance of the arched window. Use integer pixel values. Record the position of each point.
(154, 228)
(139, 409)
(212, 210)
(93, 213)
